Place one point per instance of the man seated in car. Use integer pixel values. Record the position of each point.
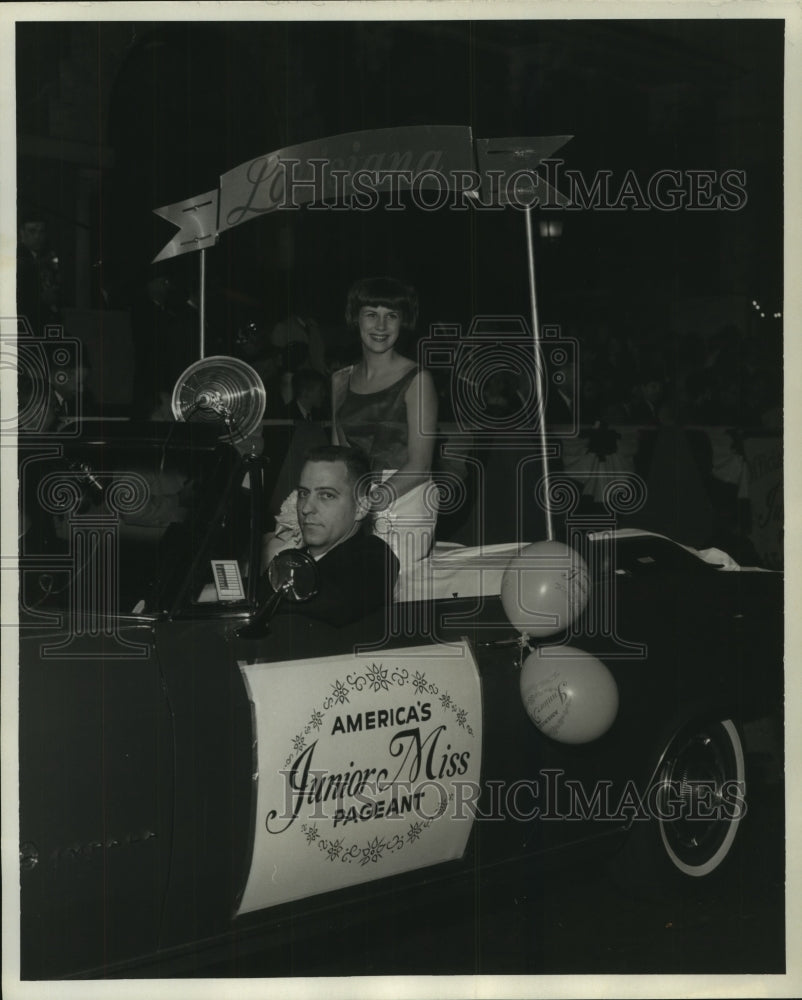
(357, 570)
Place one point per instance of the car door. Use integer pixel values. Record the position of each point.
(95, 779)
(96, 728)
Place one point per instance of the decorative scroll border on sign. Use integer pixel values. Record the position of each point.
(378, 678)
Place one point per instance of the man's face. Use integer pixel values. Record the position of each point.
(327, 509)
(33, 235)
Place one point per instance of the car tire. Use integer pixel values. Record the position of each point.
(698, 805)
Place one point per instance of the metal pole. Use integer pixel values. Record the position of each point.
(541, 410)
(202, 303)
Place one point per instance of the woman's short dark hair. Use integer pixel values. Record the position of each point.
(387, 292)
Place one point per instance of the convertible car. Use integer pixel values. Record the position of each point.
(191, 786)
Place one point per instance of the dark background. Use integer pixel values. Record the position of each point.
(116, 119)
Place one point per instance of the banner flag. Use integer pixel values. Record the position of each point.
(508, 171)
(350, 170)
(346, 166)
(197, 222)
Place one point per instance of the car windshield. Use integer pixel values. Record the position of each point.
(111, 524)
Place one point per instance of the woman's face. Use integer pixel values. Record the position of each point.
(379, 328)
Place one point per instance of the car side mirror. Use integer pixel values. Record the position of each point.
(293, 576)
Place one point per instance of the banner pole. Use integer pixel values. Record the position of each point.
(202, 303)
(541, 410)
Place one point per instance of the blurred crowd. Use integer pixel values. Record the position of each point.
(728, 378)
(724, 377)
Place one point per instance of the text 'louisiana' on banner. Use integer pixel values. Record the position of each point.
(328, 169)
(351, 170)
(332, 169)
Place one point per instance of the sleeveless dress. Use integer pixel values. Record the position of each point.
(376, 422)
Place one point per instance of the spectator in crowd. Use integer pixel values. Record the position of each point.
(501, 396)
(38, 274)
(615, 361)
(294, 357)
(309, 396)
(562, 403)
(648, 396)
(287, 446)
(165, 339)
(301, 330)
(72, 399)
(252, 345)
(35, 403)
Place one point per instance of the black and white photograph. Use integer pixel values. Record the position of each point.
(492, 300)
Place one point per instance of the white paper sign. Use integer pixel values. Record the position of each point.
(366, 768)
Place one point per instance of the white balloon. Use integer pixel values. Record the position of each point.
(570, 695)
(544, 588)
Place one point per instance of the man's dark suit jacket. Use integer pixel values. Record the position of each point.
(356, 577)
